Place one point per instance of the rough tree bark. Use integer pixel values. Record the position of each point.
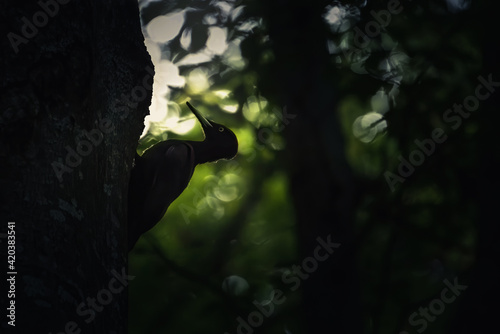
(75, 87)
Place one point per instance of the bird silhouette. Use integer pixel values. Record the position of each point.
(162, 173)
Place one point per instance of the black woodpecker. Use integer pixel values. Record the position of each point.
(162, 173)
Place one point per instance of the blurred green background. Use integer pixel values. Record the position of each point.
(228, 239)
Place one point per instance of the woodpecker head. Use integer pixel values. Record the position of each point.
(221, 139)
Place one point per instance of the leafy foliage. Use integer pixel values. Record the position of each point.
(236, 219)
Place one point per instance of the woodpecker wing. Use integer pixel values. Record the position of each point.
(169, 179)
(160, 176)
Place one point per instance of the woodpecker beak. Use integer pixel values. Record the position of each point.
(204, 122)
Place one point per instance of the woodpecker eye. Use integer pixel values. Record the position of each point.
(221, 129)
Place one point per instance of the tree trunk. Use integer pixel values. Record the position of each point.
(321, 181)
(75, 87)
(479, 308)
